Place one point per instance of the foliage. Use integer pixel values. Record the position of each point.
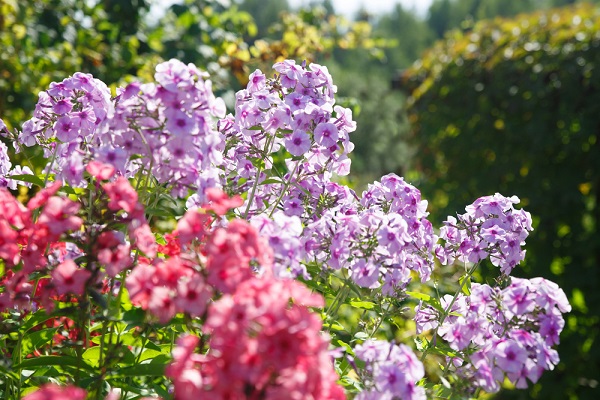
(514, 103)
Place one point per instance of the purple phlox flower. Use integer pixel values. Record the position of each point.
(256, 81)
(396, 278)
(510, 356)
(173, 75)
(549, 294)
(326, 134)
(293, 206)
(365, 273)
(66, 129)
(179, 123)
(72, 171)
(344, 119)
(298, 143)
(426, 317)
(394, 233)
(62, 106)
(518, 298)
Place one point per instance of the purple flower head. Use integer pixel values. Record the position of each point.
(326, 134)
(298, 143)
(256, 81)
(391, 371)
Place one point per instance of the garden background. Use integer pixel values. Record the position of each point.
(474, 97)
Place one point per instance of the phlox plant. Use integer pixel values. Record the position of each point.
(167, 249)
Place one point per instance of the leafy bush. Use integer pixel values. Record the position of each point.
(514, 103)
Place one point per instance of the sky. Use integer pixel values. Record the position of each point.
(350, 7)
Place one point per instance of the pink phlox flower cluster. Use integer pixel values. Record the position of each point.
(28, 246)
(167, 287)
(295, 112)
(391, 371)
(123, 197)
(264, 344)
(236, 253)
(380, 240)
(51, 391)
(6, 171)
(501, 332)
(491, 228)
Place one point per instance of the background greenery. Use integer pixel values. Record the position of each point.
(501, 102)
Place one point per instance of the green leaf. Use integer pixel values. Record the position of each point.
(92, 356)
(151, 369)
(34, 340)
(466, 287)
(364, 305)
(334, 326)
(420, 296)
(29, 179)
(270, 181)
(35, 319)
(421, 343)
(346, 346)
(43, 361)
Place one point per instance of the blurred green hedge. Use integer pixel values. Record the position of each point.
(513, 106)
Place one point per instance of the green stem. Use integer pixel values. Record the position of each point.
(448, 308)
(258, 172)
(284, 189)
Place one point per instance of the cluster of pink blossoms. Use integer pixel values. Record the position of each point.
(501, 332)
(25, 242)
(264, 344)
(29, 245)
(491, 228)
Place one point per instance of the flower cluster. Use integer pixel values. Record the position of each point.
(168, 127)
(26, 242)
(501, 332)
(262, 209)
(379, 240)
(5, 169)
(391, 370)
(264, 343)
(492, 228)
(294, 112)
(67, 120)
